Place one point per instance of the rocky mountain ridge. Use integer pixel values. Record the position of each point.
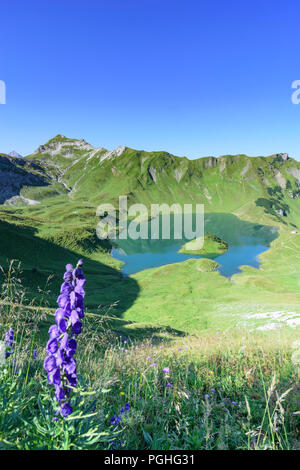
(73, 170)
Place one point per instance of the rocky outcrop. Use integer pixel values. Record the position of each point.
(281, 156)
(210, 162)
(64, 147)
(222, 164)
(280, 179)
(20, 201)
(152, 173)
(113, 153)
(281, 212)
(245, 169)
(295, 172)
(178, 174)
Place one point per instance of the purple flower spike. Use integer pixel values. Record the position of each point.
(63, 300)
(62, 326)
(56, 377)
(115, 420)
(68, 276)
(53, 331)
(61, 347)
(52, 346)
(64, 341)
(77, 328)
(9, 341)
(59, 393)
(66, 410)
(9, 337)
(50, 363)
(74, 317)
(70, 366)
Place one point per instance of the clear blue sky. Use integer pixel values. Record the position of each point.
(191, 77)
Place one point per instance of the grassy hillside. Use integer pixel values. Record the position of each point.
(210, 244)
(61, 226)
(265, 187)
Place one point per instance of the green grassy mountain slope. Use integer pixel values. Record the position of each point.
(80, 174)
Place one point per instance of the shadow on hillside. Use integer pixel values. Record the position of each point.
(119, 330)
(11, 171)
(108, 293)
(128, 329)
(41, 259)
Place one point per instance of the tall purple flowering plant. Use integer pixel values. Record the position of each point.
(61, 347)
(9, 341)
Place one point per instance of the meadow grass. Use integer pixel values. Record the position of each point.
(217, 391)
(208, 245)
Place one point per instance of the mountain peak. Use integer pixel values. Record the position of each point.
(62, 144)
(281, 156)
(60, 138)
(13, 153)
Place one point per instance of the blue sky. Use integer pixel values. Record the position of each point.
(194, 78)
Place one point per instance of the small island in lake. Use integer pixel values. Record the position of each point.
(211, 245)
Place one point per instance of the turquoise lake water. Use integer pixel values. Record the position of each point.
(246, 241)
